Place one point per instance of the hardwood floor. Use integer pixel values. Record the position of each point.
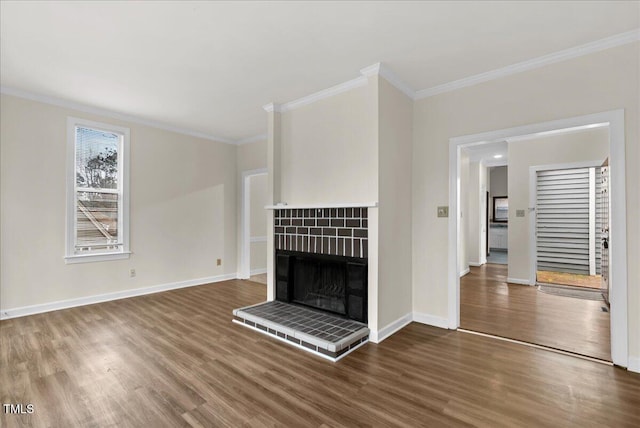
(261, 278)
(489, 305)
(176, 359)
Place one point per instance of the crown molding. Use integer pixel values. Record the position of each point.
(577, 51)
(254, 139)
(325, 93)
(555, 132)
(109, 113)
(272, 107)
(372, 70)
(391, 77)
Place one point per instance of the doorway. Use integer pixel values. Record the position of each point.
(617, 247)
(253, 246)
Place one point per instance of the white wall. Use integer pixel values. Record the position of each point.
(394, 247)
(183, 209)
(602, 81)
(251, 156)
(590, 145)
(329, 150)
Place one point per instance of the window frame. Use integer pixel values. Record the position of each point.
(123, 193)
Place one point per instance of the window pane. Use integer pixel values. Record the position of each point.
(97, 221)
(96, 159)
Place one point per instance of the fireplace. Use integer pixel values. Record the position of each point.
(335, 284)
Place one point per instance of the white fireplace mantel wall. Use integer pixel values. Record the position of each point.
(354, 147)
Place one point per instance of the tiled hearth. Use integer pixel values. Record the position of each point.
(333, 231)
(323, 334)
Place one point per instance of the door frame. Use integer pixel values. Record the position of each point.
(244, 272)
(618, 215)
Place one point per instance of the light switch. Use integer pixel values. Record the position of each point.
(443, 211)
(519, 213)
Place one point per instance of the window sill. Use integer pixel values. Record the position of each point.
(87, 258)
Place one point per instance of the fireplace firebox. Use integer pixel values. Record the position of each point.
(335, 284)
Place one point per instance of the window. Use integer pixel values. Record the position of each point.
(97, 191)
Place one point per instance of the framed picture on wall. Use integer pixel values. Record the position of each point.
(500, 209)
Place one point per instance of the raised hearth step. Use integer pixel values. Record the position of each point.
(327, 335)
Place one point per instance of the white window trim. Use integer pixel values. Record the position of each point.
(124, 251)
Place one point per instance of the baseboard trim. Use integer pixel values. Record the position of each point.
(464, 272)
(634, 364)
(518, 281)
(474, 264)
(391, 328)
(258, 271)
(99, 298)
(431, 320)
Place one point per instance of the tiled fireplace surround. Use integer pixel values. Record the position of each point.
(326, 231)
(333, 231)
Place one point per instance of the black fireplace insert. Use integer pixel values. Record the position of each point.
(335, 284)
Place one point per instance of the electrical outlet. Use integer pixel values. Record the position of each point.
(218, 262)
(519, 213)
(443, 211)
(132, 273)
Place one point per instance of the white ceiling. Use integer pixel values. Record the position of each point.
(486, 153)
(210, 66)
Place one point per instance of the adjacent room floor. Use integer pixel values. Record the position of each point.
(176, 359)
(498, 257)
(489, 304)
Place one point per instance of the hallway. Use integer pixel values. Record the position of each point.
(488, 304)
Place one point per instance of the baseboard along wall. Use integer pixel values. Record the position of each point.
(99, 298)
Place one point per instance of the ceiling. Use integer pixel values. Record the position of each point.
(209, 67)
(487, 152)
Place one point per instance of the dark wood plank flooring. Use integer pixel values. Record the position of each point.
(176, 359)
(489, 304)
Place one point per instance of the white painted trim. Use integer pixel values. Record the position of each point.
(431, 320)
(453, 279)
(464, 272)
(7, 313)
(392, 328)
(109, 113)
(474, 264)
(362, 80)
(258, 239)
(325, 93)
(315, 206)
(258, 271)
(272, 107)
(391, 77)
(634, 364)
(254, 139)
(245, 221)
(563, 55)
(519, 281)
(533, 194)
(566, 131)
(592, 220)
(88, 258)
(618, 236)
